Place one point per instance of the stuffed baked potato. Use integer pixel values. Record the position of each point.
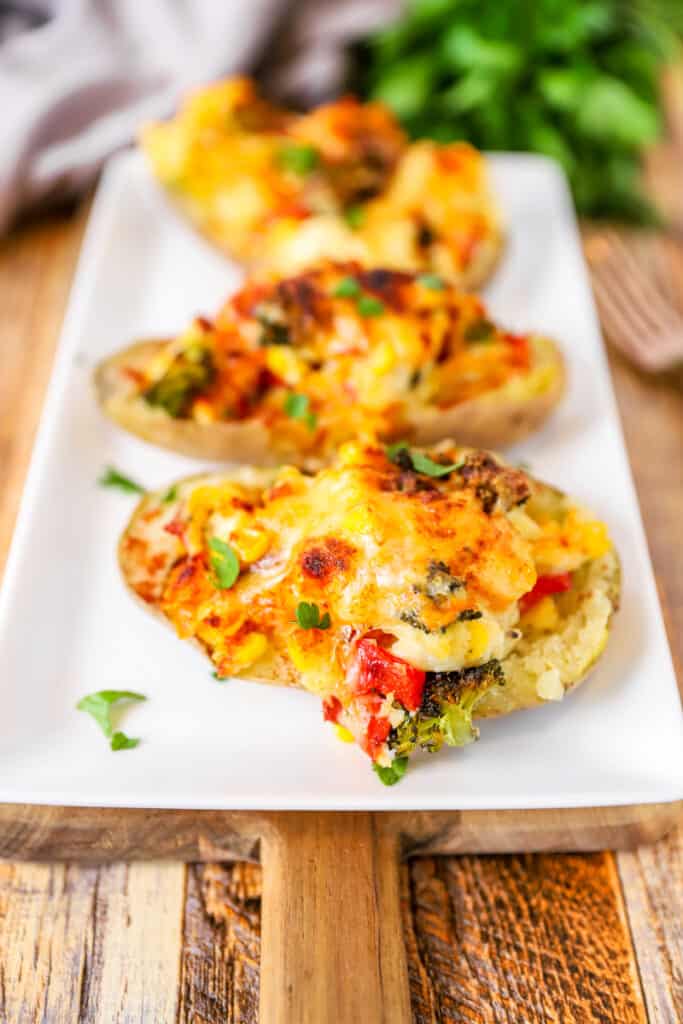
(280, 191)
(410, 590)
(291, 368)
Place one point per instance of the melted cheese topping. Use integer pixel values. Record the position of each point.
(284, 191)
(435, 566)
(364, 350)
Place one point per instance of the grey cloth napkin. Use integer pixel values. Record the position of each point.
(79, 77)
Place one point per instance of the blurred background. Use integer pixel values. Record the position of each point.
(579, 80)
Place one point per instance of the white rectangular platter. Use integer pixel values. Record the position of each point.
(67, 627)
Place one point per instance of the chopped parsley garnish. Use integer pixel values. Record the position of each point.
(298, 159)
(219, 679)
(171, 495)
(347, 288)
(99, 705)
(393, 773)
(308, 616)
(112, 478)
(432, 281)
(354, 216)
(392, 450)
(224, 563)
(368, 305)
(351, 288)
(399, 453)
(479, 330)
(120, 741)
(423, 464)
(298, 407)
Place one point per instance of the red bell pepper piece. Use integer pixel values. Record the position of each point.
(378, 730)
(378, 670)
(331, 709)
(543, 586)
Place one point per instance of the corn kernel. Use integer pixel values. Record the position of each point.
(351, 454)
(252, 648)
(543, 616)
(300, 658)
(595, 540)
(251, 543)
(384, 358)
(203, 411)
(479, 640)
(343, 734)
(358, 520)
(284, 364)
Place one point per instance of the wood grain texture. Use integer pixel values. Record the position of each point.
(134, 968)
(509, 939)
(331, 881)
(90, 944)
(102, 834)
(36, 268)
(221, 945)
(652, 880)
(46, 935)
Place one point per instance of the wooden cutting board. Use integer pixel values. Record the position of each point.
(331, 930)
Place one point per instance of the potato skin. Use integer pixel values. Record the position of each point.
(518, 694)
(245, 441)
(275, 669)
(500, 418)
(494, 420)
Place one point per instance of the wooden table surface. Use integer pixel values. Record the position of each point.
(490, 940)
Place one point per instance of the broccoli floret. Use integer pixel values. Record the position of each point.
(190, 373)
(445, 714)
(441, 582)
(450, 698)
(273, 320)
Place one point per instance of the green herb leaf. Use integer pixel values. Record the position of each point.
(171, 495)
(368, 305)
(224, 563)
(219, 679)
(112, 478)
(99, 705)
(392, 450)
(347, 288)
(354, 216)
(298, 159)
(421, 463)
(298, 407)
(389, 775)
(432, 281)
(479, 330)
(120, 741)
(308, 616)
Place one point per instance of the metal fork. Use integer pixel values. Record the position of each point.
(636, 302)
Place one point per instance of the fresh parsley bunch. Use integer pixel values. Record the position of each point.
(574, 79)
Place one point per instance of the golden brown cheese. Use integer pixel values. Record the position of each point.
(282, 191)
(337, 352)
(405, 587)
(380, 548)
